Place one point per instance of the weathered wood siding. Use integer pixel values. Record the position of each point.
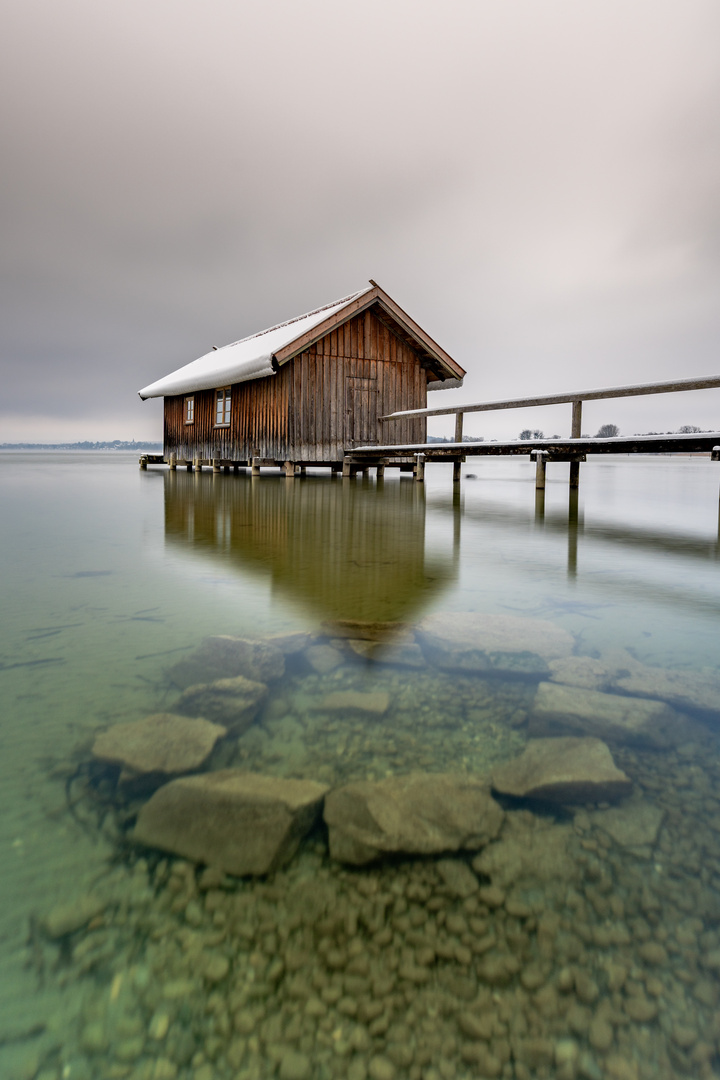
(320, 403)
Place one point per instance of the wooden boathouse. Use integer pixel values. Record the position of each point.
(304, 392)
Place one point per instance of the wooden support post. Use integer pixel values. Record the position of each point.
(173, 462)
(143, 462)
(289, 469)
(458, 427)
(419, 467)
(576, 422)
(236, 468)
(573, 528)
(346, 468)
(255, 467)
(575, 474)
(216, 464)
(380, 471)
(188, 465)
(457, 468)
(303, 470)
(541, 457)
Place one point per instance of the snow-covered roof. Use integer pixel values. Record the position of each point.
(255, 357)
(249, 358)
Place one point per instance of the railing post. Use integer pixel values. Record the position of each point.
(575, 433)
(576, 422)
(458, 427)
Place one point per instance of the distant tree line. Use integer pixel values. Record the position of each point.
(115, 444)
(611, 431)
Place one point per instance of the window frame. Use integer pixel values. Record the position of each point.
(189, 408)
(226, 399)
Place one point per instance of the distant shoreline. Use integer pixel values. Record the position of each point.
(115, 444)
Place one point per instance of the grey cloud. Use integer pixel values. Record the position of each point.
(537, 184)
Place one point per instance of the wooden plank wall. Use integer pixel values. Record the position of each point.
(320, 403)
(259, 420)
(345, 381)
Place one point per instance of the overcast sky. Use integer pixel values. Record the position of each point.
(536, 183)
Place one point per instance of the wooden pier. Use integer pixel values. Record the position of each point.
(575, 449)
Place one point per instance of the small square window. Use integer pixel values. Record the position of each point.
(189, 410)
(222, 407)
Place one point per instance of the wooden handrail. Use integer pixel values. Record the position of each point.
(709, 383)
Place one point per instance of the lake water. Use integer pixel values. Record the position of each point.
(581, 941)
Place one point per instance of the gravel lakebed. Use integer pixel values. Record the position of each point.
(582, 941)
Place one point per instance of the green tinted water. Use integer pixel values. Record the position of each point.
(112, 576)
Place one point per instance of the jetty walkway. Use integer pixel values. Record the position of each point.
(575, 449)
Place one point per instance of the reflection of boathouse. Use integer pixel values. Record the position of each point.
(305, 391)
(340, 553)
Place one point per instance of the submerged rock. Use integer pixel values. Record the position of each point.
(582, 671)
(466, 641)
(362, 629)
(343, 701)
(162, 743)
(423, 813)
(233, 703)
(225, 657)
(530, 850)
(695, 690)
(290, 644)
(633, 825)
(406, 654)
(242, 823)
(563, 770)
(457, 877)
(323, 658)
(67, 918)
(570, 710)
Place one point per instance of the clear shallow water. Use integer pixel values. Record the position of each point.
(111, 576)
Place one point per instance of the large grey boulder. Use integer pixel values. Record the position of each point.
(698, 691)
(239, 822)
(563, 770)
(571, 710)
(582, 671)
(162, 743)
(467, 641)
(420, 814)
(225, 657)
(234, 703)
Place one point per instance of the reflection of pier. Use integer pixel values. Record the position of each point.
(341, 551)
(571, 525)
